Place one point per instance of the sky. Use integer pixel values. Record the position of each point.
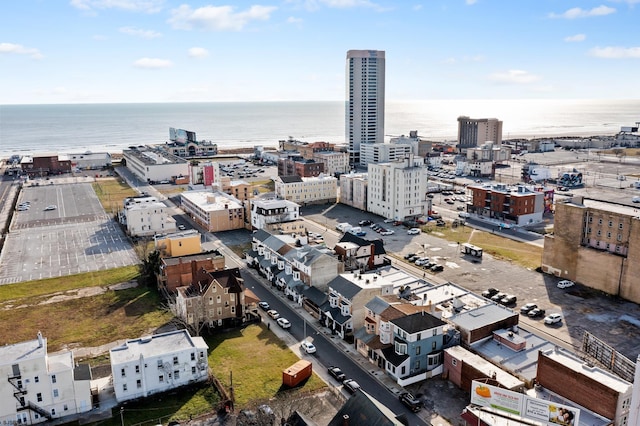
(107, 51)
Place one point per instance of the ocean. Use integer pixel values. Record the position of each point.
(33, 129)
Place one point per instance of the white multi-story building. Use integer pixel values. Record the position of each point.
(383, 152)
(264, 212)
(155, 165)
(158, 363)
(38, 387)
(146, 216)
(353, 190)
(365, 100)
(335, 162)
(304, 191)
(397, 190)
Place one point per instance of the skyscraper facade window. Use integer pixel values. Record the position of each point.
(364, 100)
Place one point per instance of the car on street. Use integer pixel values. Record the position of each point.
(264, 306)
(565, 284)
(283, 322)
(336, 373)
(464, 215)
(526, 308)
(273, 314)
(410, 401)
(552, 319)
(389, 220)
(387, 232)
(414, 231)
(308, 347)
(535, 313)
(490, 292)
(51, 207)
(409, 256)
(421, 261)
(351, 385)
(364, 222)
(360, 233)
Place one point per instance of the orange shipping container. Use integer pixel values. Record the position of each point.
(295, 374)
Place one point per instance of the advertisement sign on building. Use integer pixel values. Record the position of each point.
(523, 405)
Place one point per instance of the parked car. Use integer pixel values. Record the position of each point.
(565, 284)
(389, 220)
(490, 292)
(410, 401)
(387, 232)
(437, 268)
(535, 313)
(414, 231)
(364, 222)
(463, 215)
(336, 373)
(51, 207)
(498, 296)
(273, 314)
(409, 256)
(526, 308)
(308, 347)
(264, 306)
(508, 300)
(283, 322)
(351, 385)
(413, 258)
(440, 222)
(360, 234)
(552, 319)
(421, 261)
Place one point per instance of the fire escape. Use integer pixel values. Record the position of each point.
(19, 394)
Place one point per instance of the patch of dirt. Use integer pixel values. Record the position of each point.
(87, 292)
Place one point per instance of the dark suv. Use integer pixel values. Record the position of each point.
(336, 373)
(410, 401)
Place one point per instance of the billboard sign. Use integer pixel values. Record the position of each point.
(522, 405)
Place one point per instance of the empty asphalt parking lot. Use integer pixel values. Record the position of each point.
(73, 237)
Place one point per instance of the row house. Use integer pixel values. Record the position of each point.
(181, 271)
(360, 253)
(289, 266)
(417, 351)
(266, 212)
(344, 310)
(214, 299)
(38, 387)
(150, 365)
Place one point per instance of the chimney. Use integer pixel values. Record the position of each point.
(40, 340)
(345, 420)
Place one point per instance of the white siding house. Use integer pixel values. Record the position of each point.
(158, 363)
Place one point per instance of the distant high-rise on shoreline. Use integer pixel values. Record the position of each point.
(365, 100)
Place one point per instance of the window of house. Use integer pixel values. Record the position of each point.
(137, 369)
(175, 360)
(193, 356)
(176, 374)
(433, 346)
(233, 309)
(435, 332)
(598, 233)
(53, 411)
(161, 379)
(418, 350)
(219, 311)
(65, 407)
(620, 226)
(124, 387)
(454, 362)
(201, 354)
(211, 300)
(193, 370)
(417, 364)
(39, 397)
(53, 378)
(55, 393)
(610, 223)
(138, 383)
(36, 379)
(219, 299)
(599, 221)
(159, 363)
(122, 372)
(608, 234)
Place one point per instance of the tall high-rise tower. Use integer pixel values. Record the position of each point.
(365, 100)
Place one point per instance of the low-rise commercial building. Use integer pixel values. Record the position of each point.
(335, 162)
(306, 191)
(155, 165)
(146, 216)
(521, 205)
(215, 211)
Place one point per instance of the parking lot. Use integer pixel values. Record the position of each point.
(74, 237)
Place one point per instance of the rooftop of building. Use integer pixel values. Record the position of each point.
(273, 203)
(23, 351)
(210, 201)
(603, 205)
(170, 261)
(153, 157)
(155, 345)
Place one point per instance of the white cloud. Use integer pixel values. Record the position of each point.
(217, 18)
(19, 49)
(137, 32)
(578, 12)
(313, 5)
(575, 38)
(146, 6)
(470, 2)
(615, 52)
(198, 52)
(514, 76)
(294, 20)
(152, 63)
